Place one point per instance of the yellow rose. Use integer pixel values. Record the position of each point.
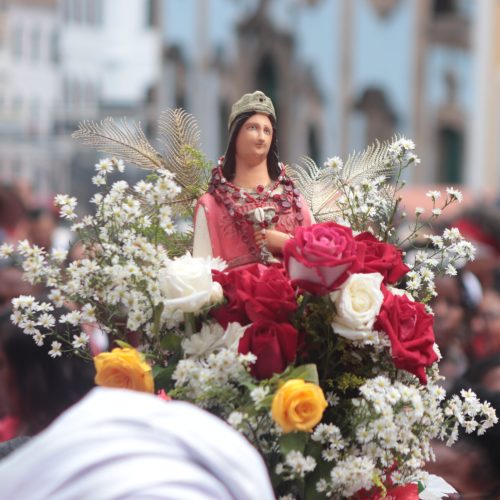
(125, 369)
(298, 406)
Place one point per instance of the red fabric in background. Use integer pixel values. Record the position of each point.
(8, 428)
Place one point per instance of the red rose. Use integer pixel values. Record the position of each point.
(402, 492)
(274, 345)
(375, 256)
(256, 293)
(319, 257)
(410, 330)
(231, 311)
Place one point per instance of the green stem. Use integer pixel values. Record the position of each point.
(156, 319)
(189, 324)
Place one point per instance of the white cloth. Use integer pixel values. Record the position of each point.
(129, 445)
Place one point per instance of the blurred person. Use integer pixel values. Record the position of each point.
(485, 373)
(456, 302)
(42, 225)
(35, 388)
(14, 224)
(118, 443)
(481, 226)
(12, 285)
(486, 322)
(468, 467)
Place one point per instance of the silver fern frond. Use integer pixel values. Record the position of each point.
(180, 136)
(124, 140)
(370, 163)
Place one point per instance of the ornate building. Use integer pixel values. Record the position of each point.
(265, 58)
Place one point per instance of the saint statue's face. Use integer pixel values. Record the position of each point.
(254, 139)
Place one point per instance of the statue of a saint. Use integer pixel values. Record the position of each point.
(251, 208)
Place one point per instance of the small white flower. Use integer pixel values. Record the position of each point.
(105, 166)
(118, 164)
(454, 194)
(334, 163)
(80, 341)
(56, 349)
(46, 320)
(99, 180)
(451, 270)
(433, 195)
(6, 250)
(259, 394)
(235, 419)
(436, 212)
(419, 210)
(39, 338)
(59, 255)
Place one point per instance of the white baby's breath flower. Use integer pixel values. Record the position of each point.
(80, 341)
(56, 349)
(436, 212)
(334, 163)
(118, 164)
(6, 250)
(455, 194)
(59, 255)
(99, 180)
(235, 419)
(73, 318)
(433, 195)
(259, 394)
(39, 338)
(451, 270)
(46, 320)
(419, 210)
(104, 166)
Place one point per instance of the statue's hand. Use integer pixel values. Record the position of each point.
(274, 240)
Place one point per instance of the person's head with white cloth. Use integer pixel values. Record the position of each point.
(118, 443)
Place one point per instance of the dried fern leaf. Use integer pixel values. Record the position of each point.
(123, 140)
(180, 136)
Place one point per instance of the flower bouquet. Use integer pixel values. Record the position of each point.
(326, 363)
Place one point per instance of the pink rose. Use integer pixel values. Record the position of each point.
(319, 257)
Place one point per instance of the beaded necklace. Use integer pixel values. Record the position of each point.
(259, 208)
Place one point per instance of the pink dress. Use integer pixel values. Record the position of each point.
(236, 245)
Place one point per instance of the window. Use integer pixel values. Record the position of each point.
(312, 144)
(151, 13)
(36, 38)
(54, 47)
(451, 146)
(17, 42)
(444, 7)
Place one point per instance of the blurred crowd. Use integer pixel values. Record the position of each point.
(467, 328)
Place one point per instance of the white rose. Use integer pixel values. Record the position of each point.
(186, 284)
(357, 303)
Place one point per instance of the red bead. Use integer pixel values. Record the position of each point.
(260, 188)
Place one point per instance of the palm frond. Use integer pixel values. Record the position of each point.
(180, 137)
(123, 140)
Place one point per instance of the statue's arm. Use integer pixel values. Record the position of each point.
(202, 246)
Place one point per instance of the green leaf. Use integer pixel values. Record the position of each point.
(123, 344)
(171, 342)
(163, 377)
(309, 373)
(293, 441)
